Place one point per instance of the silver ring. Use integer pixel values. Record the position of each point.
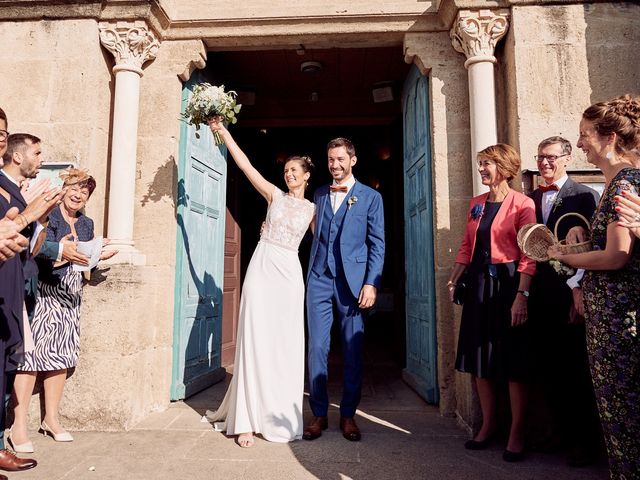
(637, 217)
(46, 199)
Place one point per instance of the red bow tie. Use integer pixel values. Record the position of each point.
(338, 188)
(548, 188)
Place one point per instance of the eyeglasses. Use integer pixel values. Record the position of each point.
(549, 158)
(4, 135)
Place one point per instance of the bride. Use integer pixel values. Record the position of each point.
(265, 395)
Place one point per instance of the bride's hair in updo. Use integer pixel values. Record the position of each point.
(620, 116)
(304, 161)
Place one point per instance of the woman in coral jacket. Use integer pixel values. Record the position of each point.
(493, 339)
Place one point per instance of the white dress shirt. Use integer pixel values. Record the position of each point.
(548, 201)
(549, 198)
(338, 197)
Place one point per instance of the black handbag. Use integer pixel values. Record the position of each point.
(460, 289)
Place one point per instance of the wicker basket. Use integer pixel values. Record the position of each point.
(534, 239)
(580, 247)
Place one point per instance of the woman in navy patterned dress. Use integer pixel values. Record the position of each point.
(56, 323)
(609, 132)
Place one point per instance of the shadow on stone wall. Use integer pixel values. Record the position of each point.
(163, 184)
(199, 315)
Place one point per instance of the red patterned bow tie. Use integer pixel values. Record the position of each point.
(338, 188)
(548, 188)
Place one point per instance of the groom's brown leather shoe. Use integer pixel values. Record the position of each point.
(314, 429)
(350, 430)
(9, 461)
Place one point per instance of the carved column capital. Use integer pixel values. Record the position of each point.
(476, 33)
(131, 43)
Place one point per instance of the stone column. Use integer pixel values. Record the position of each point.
(476, 33)
(132, 44)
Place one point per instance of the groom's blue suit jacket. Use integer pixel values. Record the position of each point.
(361, 240)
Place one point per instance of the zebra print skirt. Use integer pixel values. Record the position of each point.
(56, 325)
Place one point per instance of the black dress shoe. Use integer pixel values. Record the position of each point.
(509, 456)
(478, 444)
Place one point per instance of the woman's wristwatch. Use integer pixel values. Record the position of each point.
(525, 293)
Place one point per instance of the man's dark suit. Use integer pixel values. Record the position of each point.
(559, 347)
(12, 298)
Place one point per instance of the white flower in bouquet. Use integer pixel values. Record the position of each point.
(562, 268)
(209, 101)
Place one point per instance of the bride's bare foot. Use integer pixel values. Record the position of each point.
(246, 440)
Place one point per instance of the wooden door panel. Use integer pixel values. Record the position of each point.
(199, 261)
(421, 371)
(231, 297)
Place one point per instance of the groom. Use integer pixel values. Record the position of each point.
(345, 267)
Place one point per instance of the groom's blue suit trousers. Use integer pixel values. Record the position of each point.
(323, 293)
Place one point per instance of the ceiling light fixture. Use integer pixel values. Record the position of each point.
(310, 67)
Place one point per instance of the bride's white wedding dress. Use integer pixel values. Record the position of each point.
(266, 392)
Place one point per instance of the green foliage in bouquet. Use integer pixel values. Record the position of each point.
(209, 101)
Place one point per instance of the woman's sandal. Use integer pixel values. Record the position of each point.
(246, 440)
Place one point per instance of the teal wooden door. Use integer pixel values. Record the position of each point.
(421, 369)
(197, 331)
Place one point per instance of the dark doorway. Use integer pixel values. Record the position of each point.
(287, 111)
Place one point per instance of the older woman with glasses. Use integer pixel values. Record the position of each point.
(56, 323)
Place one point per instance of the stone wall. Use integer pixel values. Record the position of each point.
(128, 342)
(564, 58)
(232, 10)
(50, 70)
(57, 84)
(554, 62)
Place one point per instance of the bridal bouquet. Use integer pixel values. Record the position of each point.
(209, 101)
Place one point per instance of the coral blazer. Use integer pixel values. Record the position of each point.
(516, 210)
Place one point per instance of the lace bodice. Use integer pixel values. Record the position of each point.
(287, 220)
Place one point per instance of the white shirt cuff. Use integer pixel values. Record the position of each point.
(34, 238)
(60, 249)
(574, 282)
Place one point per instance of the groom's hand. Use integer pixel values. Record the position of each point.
(367, 296)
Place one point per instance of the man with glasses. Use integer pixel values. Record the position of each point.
(555, 313)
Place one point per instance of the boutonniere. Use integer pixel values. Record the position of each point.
(557, 202)
(476, 211)
(352, 200)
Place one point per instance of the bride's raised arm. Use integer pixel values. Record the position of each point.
(264, 187)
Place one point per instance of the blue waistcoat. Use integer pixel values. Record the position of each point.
(329, 257)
